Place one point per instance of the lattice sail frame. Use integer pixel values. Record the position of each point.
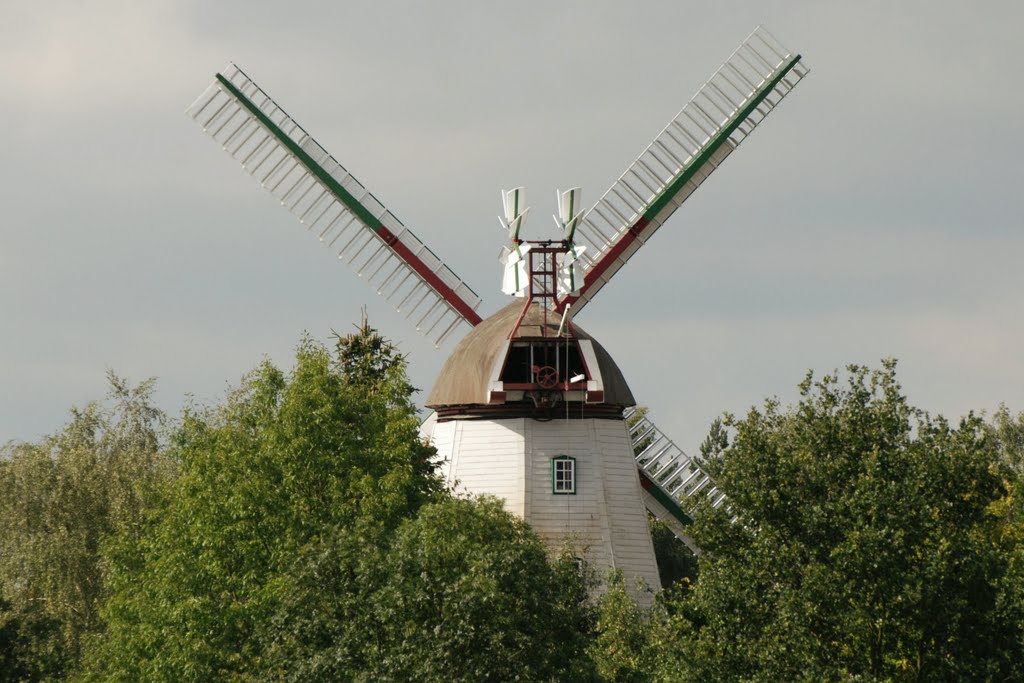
(678, 476)
(737, 97)
(275, 150)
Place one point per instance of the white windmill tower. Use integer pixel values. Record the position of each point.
(528, 406)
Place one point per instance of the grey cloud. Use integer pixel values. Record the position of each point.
(870, 216)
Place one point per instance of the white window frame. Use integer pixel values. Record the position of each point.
(560, 465)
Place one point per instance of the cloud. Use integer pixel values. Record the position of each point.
(691, 369)
(874, 214)
(76, 56)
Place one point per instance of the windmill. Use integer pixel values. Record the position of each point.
(528, 406)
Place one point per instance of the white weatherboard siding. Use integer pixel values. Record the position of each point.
(604, 520)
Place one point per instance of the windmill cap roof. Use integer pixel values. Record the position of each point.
(465, 377)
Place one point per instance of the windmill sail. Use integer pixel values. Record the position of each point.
(296, 170)
(672, 481)
(720, 116)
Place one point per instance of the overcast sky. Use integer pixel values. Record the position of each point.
(877, 212)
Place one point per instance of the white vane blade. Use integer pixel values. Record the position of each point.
(570, 272)
(514, 203)
(515, 276)
(570, 212)
(333, 205)
(737, 97)
(673, 482)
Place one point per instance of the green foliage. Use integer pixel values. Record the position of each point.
(366, 358)
(621, 646)
(864, 550)
(715, 442)
(30, 644)
(261, 478)
(630, 644)
(299, 532)
(308, 538)
(470, 596)
(462, 592)
(60, 500)
(1007, 432)
(676, 563)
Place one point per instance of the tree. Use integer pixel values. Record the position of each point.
(261, 479)
(677, 565)
(621, 646)
(865, 547)
(461, 592)
(470, 596)
(307, 537)
(60, 500)
(1007, 432)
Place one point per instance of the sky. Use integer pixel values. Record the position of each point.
(876, 213)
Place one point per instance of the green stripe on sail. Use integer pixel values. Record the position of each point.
(316, 169)
(572, 214)
(715, 144)
(516, 268)
(668, 502)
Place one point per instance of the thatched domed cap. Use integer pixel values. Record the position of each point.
(465, 376)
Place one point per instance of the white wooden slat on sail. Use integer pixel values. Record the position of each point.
(678, 476)
(737, 97)
(333, 205)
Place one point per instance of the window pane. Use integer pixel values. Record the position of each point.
(563, 475)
